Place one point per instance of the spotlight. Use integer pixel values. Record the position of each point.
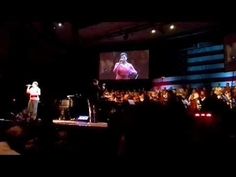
(172, 27)
(59, 24)
(153, 31)
(208, 115)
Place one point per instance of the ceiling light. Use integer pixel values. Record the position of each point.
(172, 27)
(153, 31)
(59, 24)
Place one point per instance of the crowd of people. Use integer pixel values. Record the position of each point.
(140, 123)
(193, 99)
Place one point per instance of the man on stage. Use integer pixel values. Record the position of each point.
(34, 92)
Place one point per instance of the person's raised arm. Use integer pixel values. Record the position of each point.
(116, 67)
(28, 88)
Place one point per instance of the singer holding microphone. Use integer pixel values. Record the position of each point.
(124, 69)
(34, 92)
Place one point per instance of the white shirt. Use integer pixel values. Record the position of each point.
(34, 93)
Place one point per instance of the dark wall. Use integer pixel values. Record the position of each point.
(166, 60)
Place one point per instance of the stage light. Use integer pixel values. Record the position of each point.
(208, 115)
(203, 114)
(59, 24)
(172, 27)
(153, 31)
(197, 115)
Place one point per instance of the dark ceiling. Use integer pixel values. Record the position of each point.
(95, 33)
(136, 32)
(92, 33)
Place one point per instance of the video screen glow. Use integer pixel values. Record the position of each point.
(124, 65)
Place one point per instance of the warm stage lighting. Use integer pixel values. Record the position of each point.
(153, 31)
(203, 115)
(208, 115)
(172, 27)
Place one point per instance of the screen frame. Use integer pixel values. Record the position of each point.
(126, 51)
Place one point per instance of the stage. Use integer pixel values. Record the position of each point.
(80, 123)
(56, 122)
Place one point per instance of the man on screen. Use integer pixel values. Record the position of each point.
(124, 69)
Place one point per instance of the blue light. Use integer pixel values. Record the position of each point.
(217, 57)
(206, 49)
(206, 67)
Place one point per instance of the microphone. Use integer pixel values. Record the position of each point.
(69, 96)
(121, 61)
(28, 85)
